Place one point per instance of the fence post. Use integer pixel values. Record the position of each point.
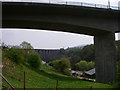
(90, 87)
(56, 84)
(24, 81)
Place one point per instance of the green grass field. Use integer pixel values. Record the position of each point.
(46, 77)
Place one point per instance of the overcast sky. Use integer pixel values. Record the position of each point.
(45, 39)
(41, 39)
(50, 39)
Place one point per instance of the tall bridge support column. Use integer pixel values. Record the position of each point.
(105, 56)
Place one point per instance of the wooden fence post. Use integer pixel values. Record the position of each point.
(90, 87)
(56, 84)
(24, 81)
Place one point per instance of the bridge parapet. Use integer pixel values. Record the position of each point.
(49, 54)
(67, 3)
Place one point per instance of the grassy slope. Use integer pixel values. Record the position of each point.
(44, 78)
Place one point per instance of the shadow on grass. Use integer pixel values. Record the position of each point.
(52, 75)
(55, 76)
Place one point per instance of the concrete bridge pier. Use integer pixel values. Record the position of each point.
(105, 56)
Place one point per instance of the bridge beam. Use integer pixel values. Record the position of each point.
(105, 56)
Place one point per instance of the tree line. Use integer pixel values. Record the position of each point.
(22, 54)
(78, 58)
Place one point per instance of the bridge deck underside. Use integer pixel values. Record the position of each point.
(101, 23)
(82, 20)
(52, 26)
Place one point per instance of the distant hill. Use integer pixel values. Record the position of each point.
(79, 46)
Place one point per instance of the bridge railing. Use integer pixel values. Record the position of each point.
(89, 5)
(67, 3)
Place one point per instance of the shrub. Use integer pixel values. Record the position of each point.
(67, 71)
(85, 65)
(34, 60)
(90, 65)
(82, 65)
(57, 65)
(16, 55)
(62, 65)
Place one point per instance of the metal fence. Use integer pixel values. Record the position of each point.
(67, 3)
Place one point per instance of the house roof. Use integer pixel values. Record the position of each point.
(43, 62)
(90, 72)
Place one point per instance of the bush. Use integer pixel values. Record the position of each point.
(67, 71)
(16, 55)
(57, 65)
(24, 56)
(84, 65)
(34, 60)
(91, 65)
(23, 53)
(62, 65)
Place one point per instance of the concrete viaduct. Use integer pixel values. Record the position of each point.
(50, 54)
(98, 22)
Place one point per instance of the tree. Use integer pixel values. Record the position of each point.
(28, 49)
(26, 45)
(85, 65)
(34, 60)
(4, 46)
(62, 65)
(87, 53)
(82, 65)
(16, 55)
(91, 65)
(74, 55)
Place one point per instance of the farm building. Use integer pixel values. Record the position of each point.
(90, 73)
(77, 73)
